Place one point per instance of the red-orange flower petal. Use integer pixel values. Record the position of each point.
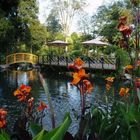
(42, 106)
(2, 123)
(17, 92)
(25, 88)
(129, 67)
(76, 78)
(79, 63)
(138, 63)
(126, 30)
(88, 86)
(124, 92)
(82, 73)
(110, 79)
(137, 82)
(3, 112)
(108, 87)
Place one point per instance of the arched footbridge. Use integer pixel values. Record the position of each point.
(21, 57)
(61, 61)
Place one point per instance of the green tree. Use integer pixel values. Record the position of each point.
(38, 34)
(105, 22)
(7, 30)
(84, 24)
(65, 10)
(29, 31)
(6, 38)
(53, 25)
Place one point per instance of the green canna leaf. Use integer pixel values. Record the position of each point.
(35, 129)
(134, 134)
(4, 136)
(57, 133)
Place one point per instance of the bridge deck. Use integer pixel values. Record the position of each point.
(62, 61)
(90, 63)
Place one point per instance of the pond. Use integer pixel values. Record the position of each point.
(65, 98)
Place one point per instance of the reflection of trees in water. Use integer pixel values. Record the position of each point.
(11, 80)
(16, 78)
(56, 84)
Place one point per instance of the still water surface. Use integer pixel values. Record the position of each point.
(65, 98)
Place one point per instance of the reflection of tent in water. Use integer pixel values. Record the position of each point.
(58, 43)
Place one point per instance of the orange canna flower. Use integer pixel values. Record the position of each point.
(124, 92)
(22, 92)
(78, 64)
(110, 79)
(126, 30)
(138, 79)
(138, 63)
(2, 123)
(25, 88)
(137, 83)
(109, 82)
(129, 67)
(77, 76)
(3, 114)
(82, 73)
(17, 92)
(20, 95)
(87, 86)
(108, 87)
(42, 106)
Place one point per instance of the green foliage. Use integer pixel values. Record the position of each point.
(120, 121)
(44, 50)
(55, 134)
(35, 129)
(38, 34)
(6, 34)
(110, 49)
(20, 25)
(109, 30)
(122, 58)
(53, 24)
(76, 53)
(106, 20)
(4, 136)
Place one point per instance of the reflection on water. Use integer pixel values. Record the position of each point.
(65, 98)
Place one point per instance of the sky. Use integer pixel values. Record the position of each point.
(90, 9)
